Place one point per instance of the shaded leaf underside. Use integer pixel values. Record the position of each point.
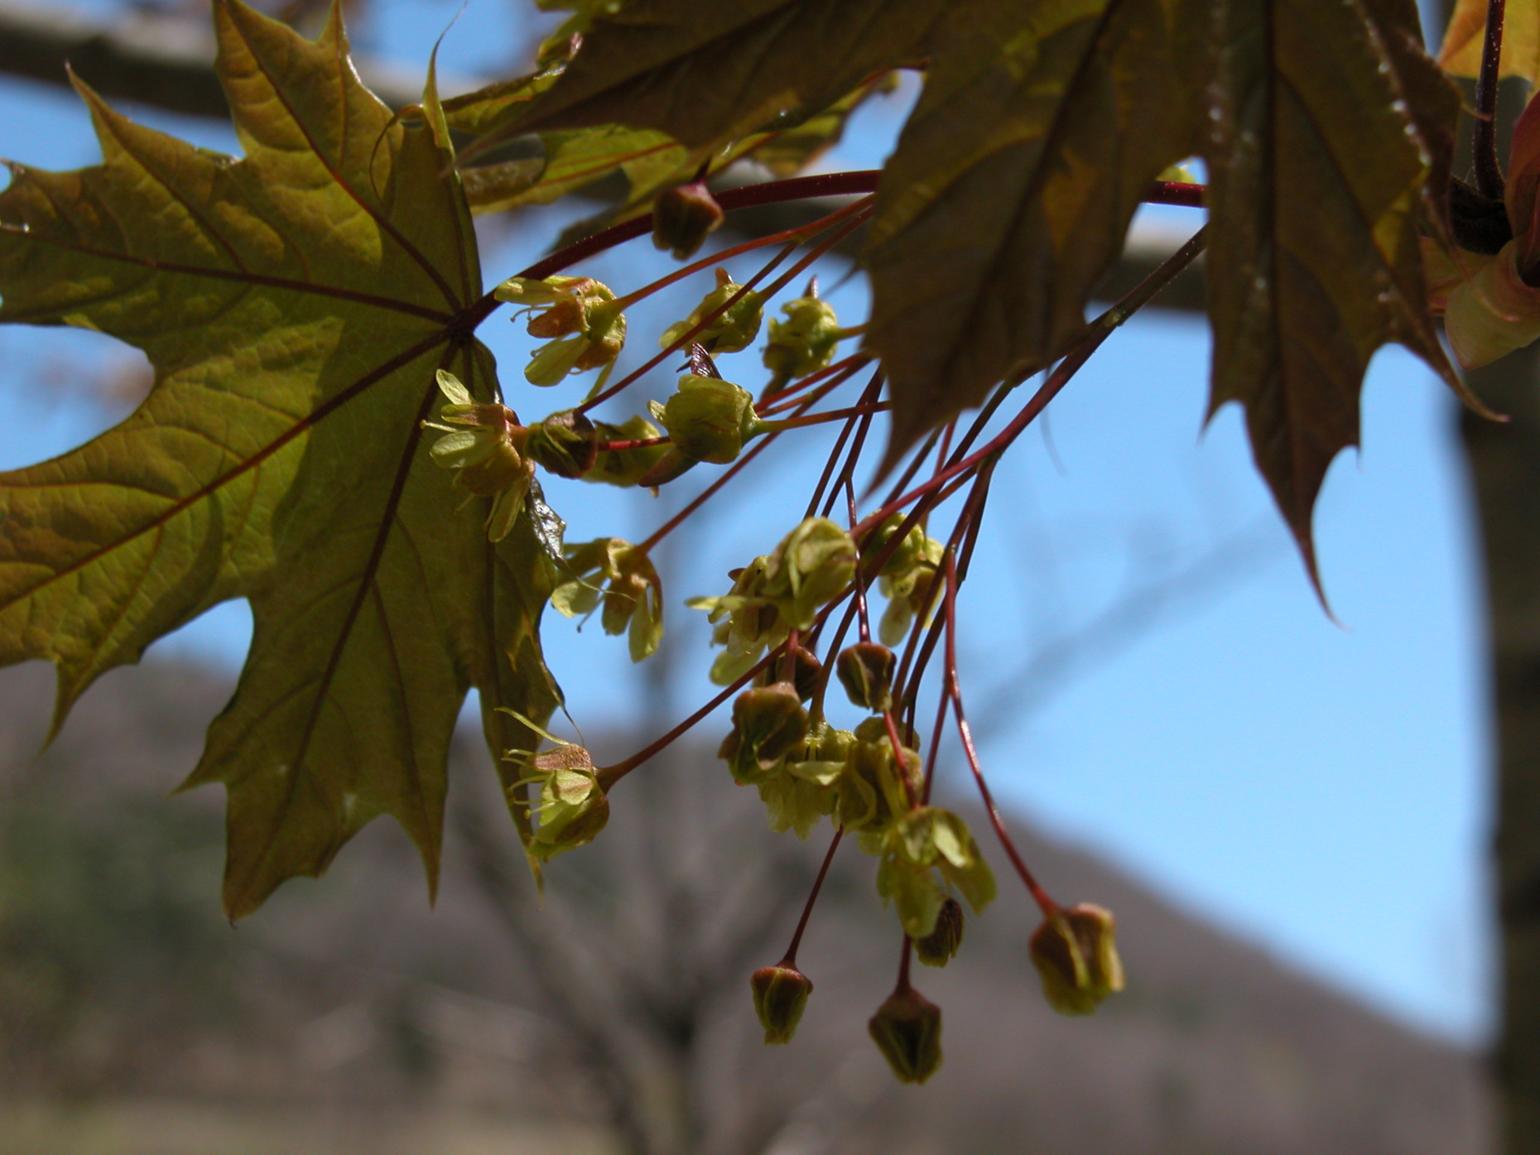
(1329, 121)
(294, 304)
(1326, 128)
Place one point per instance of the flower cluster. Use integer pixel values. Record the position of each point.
(907, 579)
(776, 593)
(733, 328)
(484, 445)
(580, 316)
(616, 573)
(570, 807)
(805, 341)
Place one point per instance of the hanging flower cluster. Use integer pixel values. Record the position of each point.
(777, 630)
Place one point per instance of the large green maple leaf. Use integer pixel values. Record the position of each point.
(295, 304)
(1326, 128)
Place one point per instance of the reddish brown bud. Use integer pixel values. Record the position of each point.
(907, 1030)
(1076, 957)
(866, 671)
(683, 217)
(938, 947)
(780, 997)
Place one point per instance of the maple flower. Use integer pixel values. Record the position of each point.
(1077, 959)
(777, 592)
(805, 341)
(907, 1030)
(483, 444)
(570, 806)
(923, 851)
(683, 217)
(780, 997)
(613, 572)
(580, 313)
(735, 329)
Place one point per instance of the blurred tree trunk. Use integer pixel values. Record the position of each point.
(1504, 464)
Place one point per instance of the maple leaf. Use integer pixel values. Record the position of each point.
(1037, 134)
(294, 304)
(1327, 126)
(1460, 53)
(707, 73)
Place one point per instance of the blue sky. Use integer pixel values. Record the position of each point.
(1320, 788)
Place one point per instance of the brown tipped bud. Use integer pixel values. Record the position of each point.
(564, 443)
(780, 997)
(1077, 958)
(770, 721)
(866, 671)
(907, 1030)
(683, 217)
(938, 947)
(804, 677)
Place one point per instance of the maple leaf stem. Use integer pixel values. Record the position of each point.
(1177, 192)
(790, 959)
(1489, 172)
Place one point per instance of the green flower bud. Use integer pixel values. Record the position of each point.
(682, 218)
(866, 671)
(564, 443)
(768, 724)
(805, 341)
(872, 788)
(1076, 956)
(780, 997)
(938, 947)
(907, 1030)
(735, 329)
(814, 564)
(709, 419)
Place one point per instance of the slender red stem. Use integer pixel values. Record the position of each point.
(807, 908)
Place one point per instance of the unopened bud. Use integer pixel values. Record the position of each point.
(907, 1030)
(780, 997)
(805, 341)
(1074, 953)
(866, 671)
(683, 217)
(565, 443)
(734, 328)
(938, 947)
(805, 674)
(769, 722)
(708, 418)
